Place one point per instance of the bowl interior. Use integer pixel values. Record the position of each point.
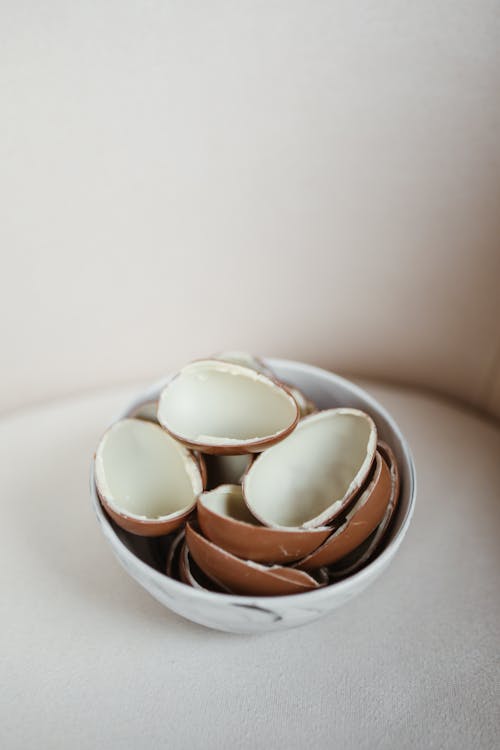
(326, 390)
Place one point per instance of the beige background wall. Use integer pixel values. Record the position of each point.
(317, 180)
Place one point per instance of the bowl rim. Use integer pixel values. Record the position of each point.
(264, 601)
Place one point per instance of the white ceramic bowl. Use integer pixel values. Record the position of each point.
(144, 559)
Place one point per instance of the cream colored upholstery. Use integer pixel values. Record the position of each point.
(318, 181)
(313, 180)
(90, 660)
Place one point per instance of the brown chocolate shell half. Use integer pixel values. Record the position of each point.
(360, 521)
(309, 478)
(223, 408)
(226, 521)
(146, 481)
(245, 576)
(364, 553)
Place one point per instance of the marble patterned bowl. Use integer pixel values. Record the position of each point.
(144, 559)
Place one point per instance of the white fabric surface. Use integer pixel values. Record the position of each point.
(312, 180)
(89, 660)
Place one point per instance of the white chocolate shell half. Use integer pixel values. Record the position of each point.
(361, 519)
(306, 480)
(306, 406)
(247, 360)
(219, 407)
(146, 480)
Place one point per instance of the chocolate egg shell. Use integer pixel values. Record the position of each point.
(362, 554)
(202, 465)
(246, 360)
(226, 521)
(224, 408)
(306, 406)
(245, 576)
(362, 518)
(388, 455)
(173, 555)
(192, 575)
(147, 410)
(226, 469)
(310, 477)
(146, 481)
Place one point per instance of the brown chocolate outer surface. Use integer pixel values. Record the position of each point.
(362, 554)
(154, 526)
(387, 454)
(241, 576)
(146, 527)
(193, 576)
(258, 543)
(360, 525)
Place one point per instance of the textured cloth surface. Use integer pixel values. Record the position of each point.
(310, 180)
(89, 660)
